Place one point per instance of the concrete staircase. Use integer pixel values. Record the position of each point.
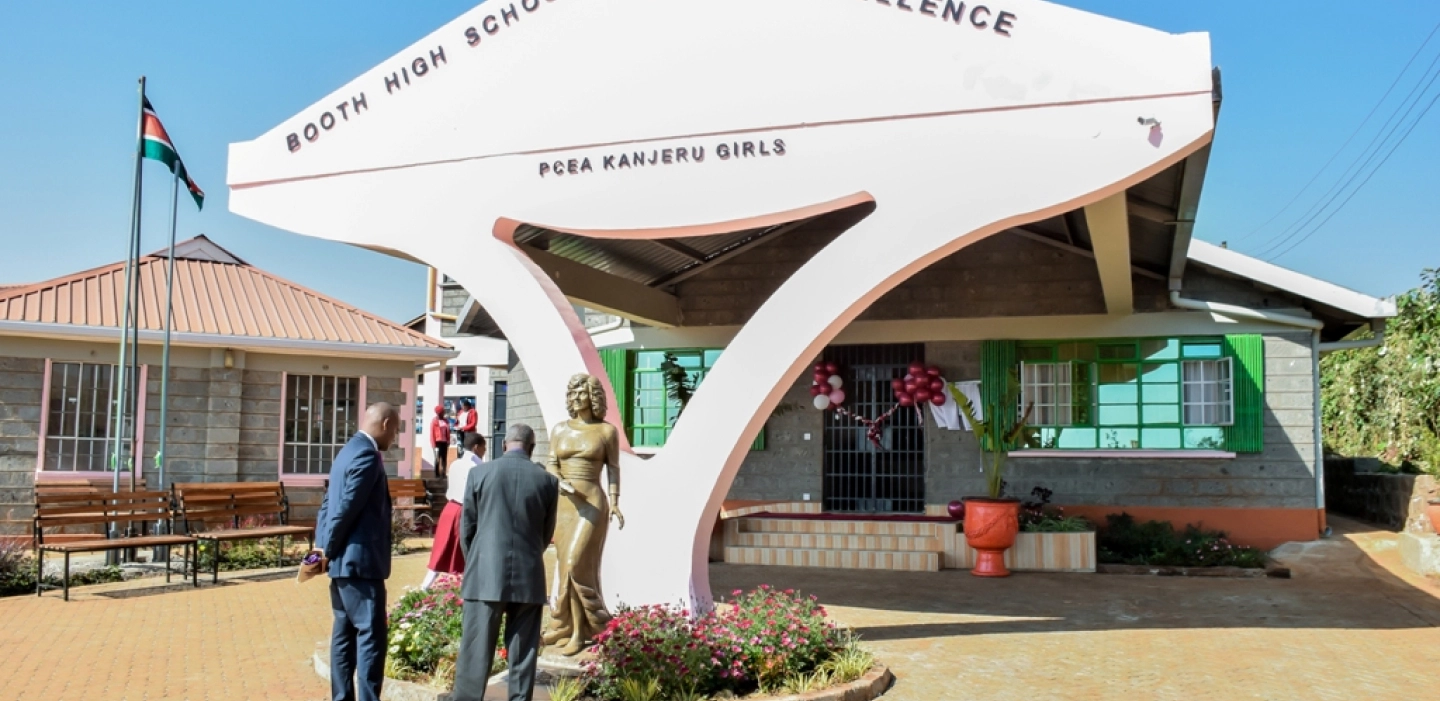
(774, 539)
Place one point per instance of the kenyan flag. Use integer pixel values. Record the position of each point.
(159, 147)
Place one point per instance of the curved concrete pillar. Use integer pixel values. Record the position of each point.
(954, 130)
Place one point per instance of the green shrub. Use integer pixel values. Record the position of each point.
(17, 571)
(1123, 541)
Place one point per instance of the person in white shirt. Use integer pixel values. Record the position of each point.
(447, 555)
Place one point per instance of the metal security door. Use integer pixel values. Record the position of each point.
(860, 478)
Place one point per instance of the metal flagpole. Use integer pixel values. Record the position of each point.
(122, 384)
(160, 458)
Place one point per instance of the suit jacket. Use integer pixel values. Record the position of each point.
(353, 527)
(506, 525)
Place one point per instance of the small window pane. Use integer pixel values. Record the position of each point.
(1035, 354)
(1160, 349)
(1077, 439)
(1119, 416)
(1205, 438)
(1076, 351)
(1161, 372)
(1119, 394)
(1117, 351)
(1162, 394)
(1119, 438)
(711, 357)
(1202, 350)
(1118, 373)
(1160, 438)
(649, 360)
(1161, 414)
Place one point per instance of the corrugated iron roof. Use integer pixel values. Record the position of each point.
(215, 293)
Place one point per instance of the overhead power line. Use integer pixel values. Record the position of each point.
(1351, 138)
(1354, 172)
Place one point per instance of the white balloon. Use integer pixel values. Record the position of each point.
(822, 402)
(836, 382)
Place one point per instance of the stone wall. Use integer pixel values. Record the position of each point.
(1004, 275)
(521, 407)
(21, 383)
(790, 465)
(1354, 489)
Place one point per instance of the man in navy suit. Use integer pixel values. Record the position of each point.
(352, 532)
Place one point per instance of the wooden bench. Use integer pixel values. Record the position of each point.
(201, 505)
(60, 483)
(411, 488)
(96, 508)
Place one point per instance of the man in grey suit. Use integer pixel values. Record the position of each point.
(507, 523)
(352, 532)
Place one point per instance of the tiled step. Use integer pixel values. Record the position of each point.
(830, 541)
(878, 528)
(836, 559)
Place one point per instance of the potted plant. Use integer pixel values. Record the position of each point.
(991, 522)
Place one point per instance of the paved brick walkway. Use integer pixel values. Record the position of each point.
(1346, 627)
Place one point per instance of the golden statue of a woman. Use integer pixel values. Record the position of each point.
(579, 449)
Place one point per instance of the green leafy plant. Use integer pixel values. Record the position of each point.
(567, 689)
(424, 634)
(17, 571)
(849, 663)
(1123, 541)
(679, 384)
(1385, 402)
(639, 690)
(995, 439)
(1039, 517)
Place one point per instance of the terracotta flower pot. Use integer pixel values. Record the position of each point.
(990, 528)
(1433, 510)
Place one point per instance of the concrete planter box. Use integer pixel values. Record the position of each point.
(1033, 552)
(1421, 553)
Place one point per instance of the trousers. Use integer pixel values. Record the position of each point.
(357, 639)
(480, 629)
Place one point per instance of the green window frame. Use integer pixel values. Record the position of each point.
(1177, 393)
(647, 411)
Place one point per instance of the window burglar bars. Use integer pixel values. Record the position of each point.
(321, 414)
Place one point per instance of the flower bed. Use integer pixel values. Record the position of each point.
(424, 637)
(766, 640)
(1157, 543)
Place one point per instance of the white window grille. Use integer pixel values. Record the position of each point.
(321, 414)
(1049, 388)
(1209, 392)
(79, 429)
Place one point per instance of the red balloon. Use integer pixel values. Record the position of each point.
(822, 377)
(910, 387)
(917, 369)
(932, 371)
(937, 385)
(817, 390)
(832, 368)
(906, 400)
(937, 399)
(897, 385)
(922, 395)
(819, 367)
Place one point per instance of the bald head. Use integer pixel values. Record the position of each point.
(382, 422)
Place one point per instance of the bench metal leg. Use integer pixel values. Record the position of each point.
(167, 564)
(192, 552)
(215, 571)
(67, 575)
(39, 572)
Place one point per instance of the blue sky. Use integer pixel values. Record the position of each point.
(1299, 78)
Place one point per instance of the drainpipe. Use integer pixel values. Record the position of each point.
(1314, 325)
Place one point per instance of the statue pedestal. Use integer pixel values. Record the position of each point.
(556, 664)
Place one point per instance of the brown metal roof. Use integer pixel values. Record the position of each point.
(214, 295)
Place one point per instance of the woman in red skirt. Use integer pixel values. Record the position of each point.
(448, 553)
